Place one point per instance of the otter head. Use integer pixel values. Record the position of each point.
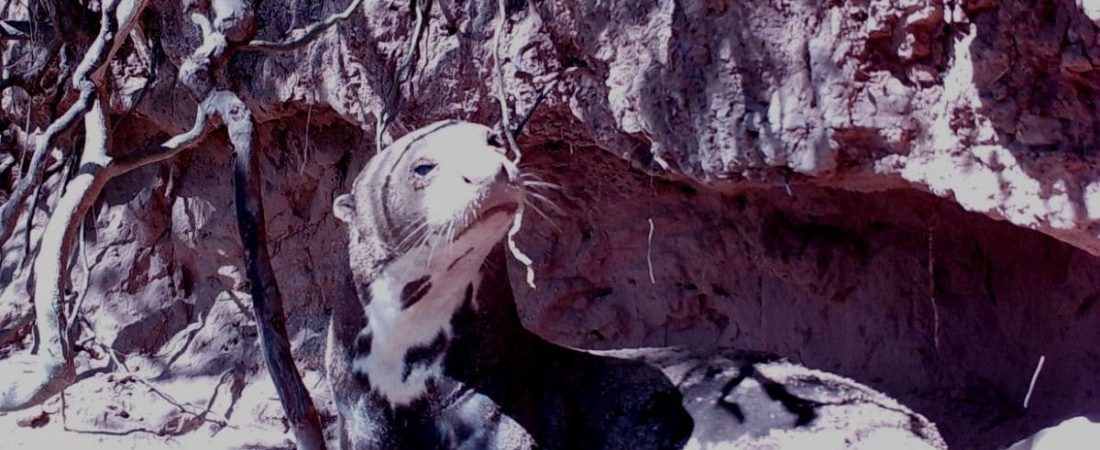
(443, 190)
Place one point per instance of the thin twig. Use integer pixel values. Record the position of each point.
(26, 128)
(28, 226)
(932, 287)
(202, 415)
(555, 79)
(65, 72)
(169, 148)
(401, 75)
(301, 37)
(305, 147)
(505, 115)
(648, 252)
(75, 313)
(531, 111)
(510, 140)
(1034, 378)
(94, 60)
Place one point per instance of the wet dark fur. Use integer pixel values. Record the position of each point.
(564, 399)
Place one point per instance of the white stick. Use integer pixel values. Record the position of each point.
(648, 252)
(1034, 378)
(517, 223)
(932, 288)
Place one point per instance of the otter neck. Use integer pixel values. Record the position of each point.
(409, 307)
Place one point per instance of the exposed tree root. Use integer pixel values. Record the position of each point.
(302, 37)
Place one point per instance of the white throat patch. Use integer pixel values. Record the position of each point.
(412, 303)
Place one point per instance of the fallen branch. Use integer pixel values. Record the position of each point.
(201, 415)
(301, 37)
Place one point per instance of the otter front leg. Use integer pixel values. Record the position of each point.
(358, 426)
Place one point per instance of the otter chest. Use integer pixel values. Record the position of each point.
(409, 312)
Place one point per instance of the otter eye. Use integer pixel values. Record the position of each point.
(423, 169)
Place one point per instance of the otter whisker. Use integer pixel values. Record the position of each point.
(419, 240)
(440, 233)
(541, 184)
(538, 211)
(534, 164)
(549, 203)
(431, 252)
(529, 175)
(416, 230)
(454, 229)
(424, 238)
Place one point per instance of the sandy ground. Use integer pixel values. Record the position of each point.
(119, 412)
(53, 435)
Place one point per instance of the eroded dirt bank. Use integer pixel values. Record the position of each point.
(808, 169)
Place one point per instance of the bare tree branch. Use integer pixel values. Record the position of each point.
(303, 36)
(29, 79)
(11, 210)
(169, 148)
(92, 63)
(39, 377)
(6, 162)
(17, 30)
(70, 20)
(197, 73)
(502, 92)
(393, 94)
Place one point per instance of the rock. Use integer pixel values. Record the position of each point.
(1078, 433)
(34, 421)
(749, 401)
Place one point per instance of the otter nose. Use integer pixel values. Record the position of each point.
(502, 175)
(499, 175)
(496, 142)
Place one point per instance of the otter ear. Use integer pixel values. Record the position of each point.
(344, 207)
